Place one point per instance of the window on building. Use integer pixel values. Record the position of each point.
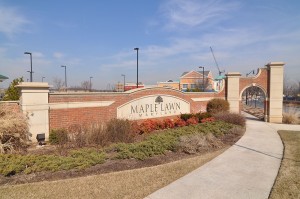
(185, 86)
(193, 86)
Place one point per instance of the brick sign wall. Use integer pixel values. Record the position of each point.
(84, 108)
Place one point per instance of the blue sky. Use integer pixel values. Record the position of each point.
(96, 38)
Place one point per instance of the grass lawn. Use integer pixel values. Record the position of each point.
(287, 183)
(136, 183)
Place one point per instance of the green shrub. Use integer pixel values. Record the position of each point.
(186, 116)
(233, 118)
(58, 136)
(77, 159)
(202, 116)
(217, 105)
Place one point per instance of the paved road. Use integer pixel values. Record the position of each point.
(248, 169)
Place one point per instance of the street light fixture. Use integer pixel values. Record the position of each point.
(202, 77)
(91, 84)
(66, 85)
(43, 79)
(137, 67)
(124, 82)
(29, 53)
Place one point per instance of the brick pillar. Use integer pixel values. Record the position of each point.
(233, 91)
(275, 91)
(34, 103)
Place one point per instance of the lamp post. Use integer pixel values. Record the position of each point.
(202, 77)
(43, 79)
(137, 67)
(29, 53)
(124, 82)
(91, 84)
(66, 85)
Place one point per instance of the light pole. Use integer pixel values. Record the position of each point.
(66, 85)
(91, 84)
(137, 67)
(202, 77)
(124, 82)
(43, 79)
(29, 53)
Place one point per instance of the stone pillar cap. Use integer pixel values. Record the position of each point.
(33, 85)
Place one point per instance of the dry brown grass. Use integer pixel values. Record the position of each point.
(136, 183)
(287, 183)
(14, 130)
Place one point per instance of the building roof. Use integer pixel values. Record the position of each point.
(205, 72)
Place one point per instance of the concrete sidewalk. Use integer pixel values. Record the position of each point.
(248, 169)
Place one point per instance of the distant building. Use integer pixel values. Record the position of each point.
(169, 84)
(195, 80)
(128, 86)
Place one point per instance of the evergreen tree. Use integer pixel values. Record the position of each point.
(13, 93)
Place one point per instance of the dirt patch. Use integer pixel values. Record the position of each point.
(109, 165)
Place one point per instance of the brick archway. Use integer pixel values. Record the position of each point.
(269, 79)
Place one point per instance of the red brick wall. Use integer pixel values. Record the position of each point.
(63, 118)
(261, 80)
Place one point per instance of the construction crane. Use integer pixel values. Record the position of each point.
(212, 52)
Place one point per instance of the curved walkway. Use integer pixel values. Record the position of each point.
(248, 169)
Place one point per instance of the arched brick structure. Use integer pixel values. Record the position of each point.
(269, 80)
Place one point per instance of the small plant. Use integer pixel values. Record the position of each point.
(208, 119)
(119, 130)
(217, 105)
(201, 116)
(148, 126)
(58, 136)
(180, 122)
(192, 120)
(233, 118)
(186, 116)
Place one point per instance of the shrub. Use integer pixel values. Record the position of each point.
(233, 118)
(119, 130)
(208, 119)
(198, 143)
(192, 120)
(58, 136)
(148, 126)
(201, 116)
(168, 123)
(186, 116)
(180, 122)
(14, 130)
(290, 117)
(217, 105)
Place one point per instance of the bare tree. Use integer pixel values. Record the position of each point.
(85, 85)
(57, 83)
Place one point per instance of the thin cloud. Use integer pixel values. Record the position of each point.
(193, 13)
(11, 21)
(58, 55)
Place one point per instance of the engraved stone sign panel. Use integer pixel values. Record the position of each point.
(153, 106)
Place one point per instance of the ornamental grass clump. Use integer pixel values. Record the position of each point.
(14, 131)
